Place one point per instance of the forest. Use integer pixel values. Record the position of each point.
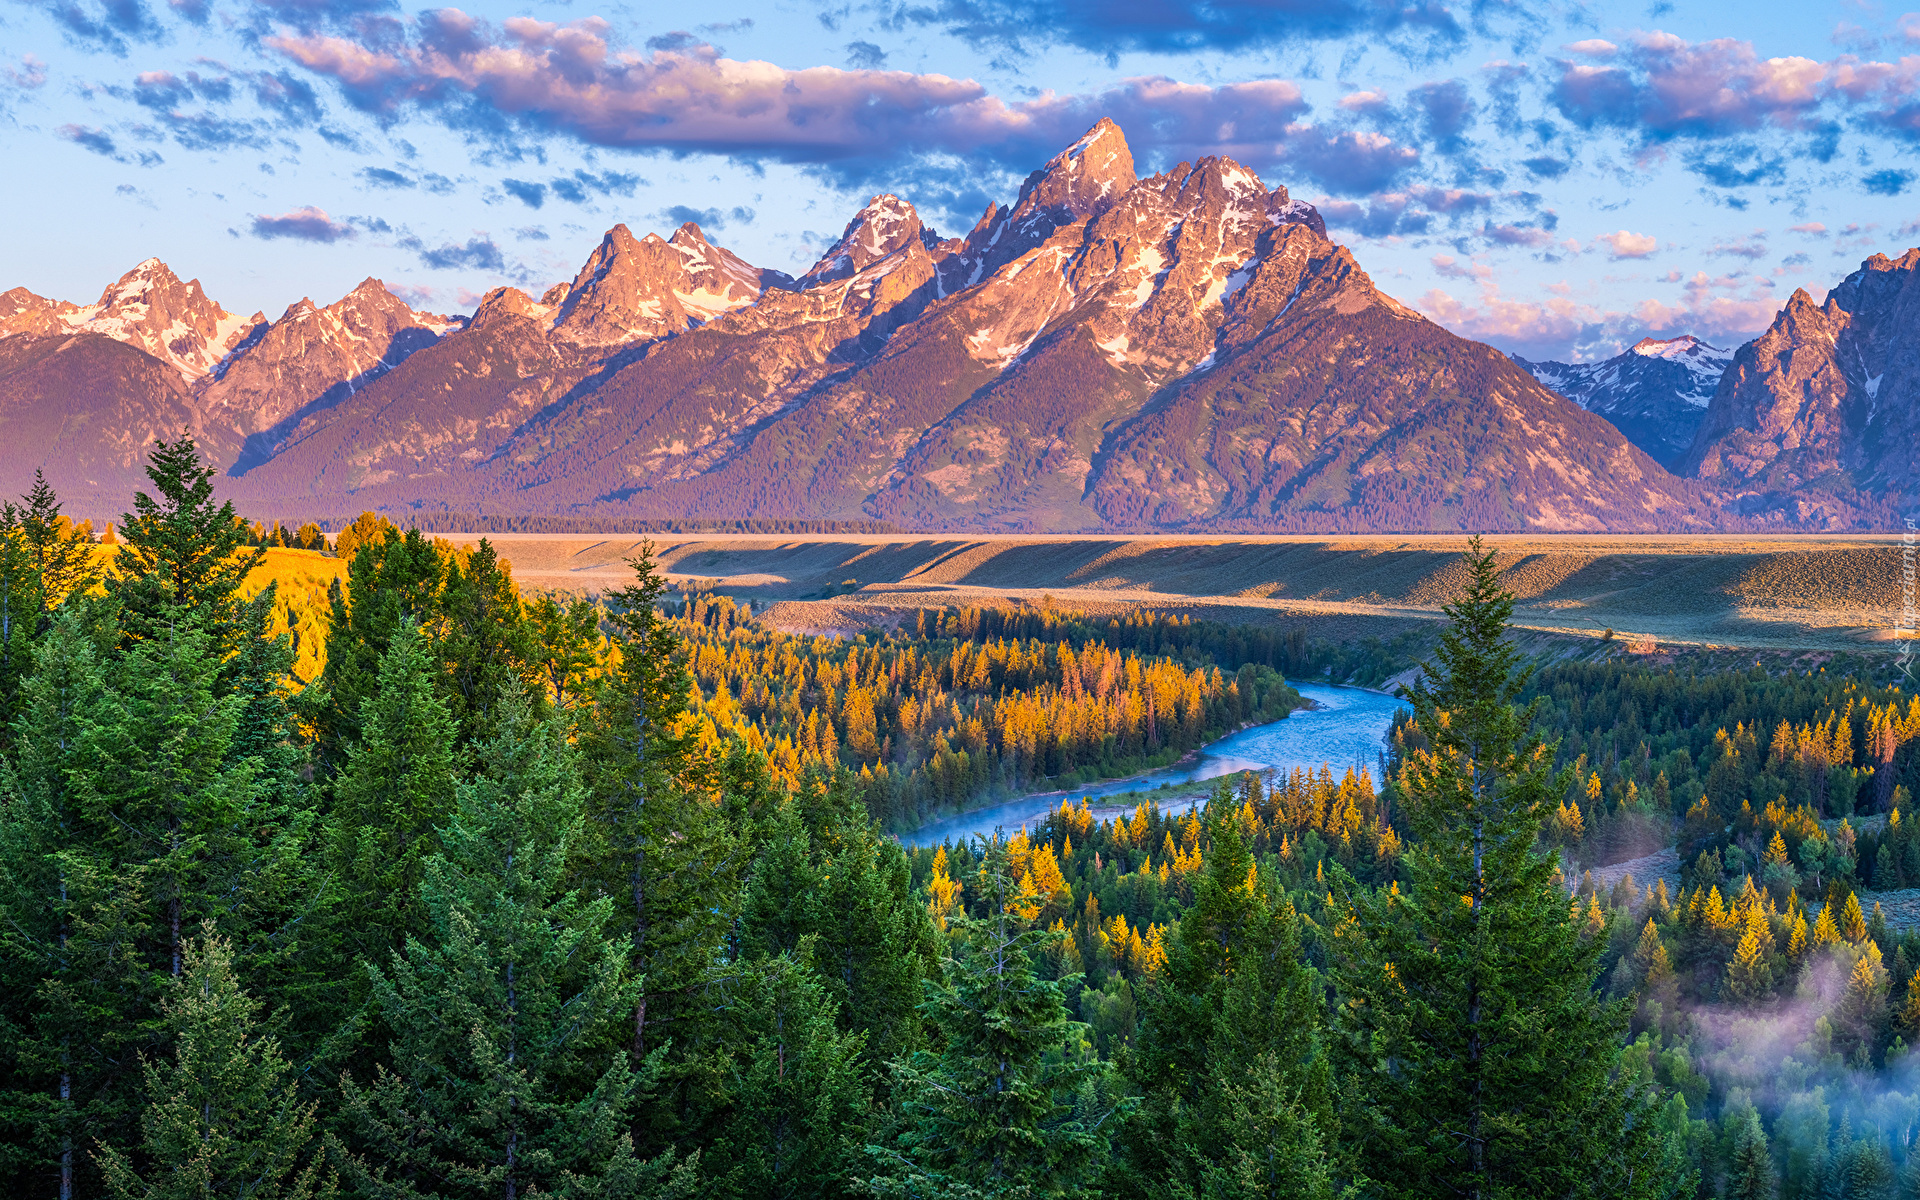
(417, 886)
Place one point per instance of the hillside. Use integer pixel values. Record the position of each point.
(1187, 351)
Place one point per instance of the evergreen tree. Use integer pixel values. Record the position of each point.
(63, 556)
(826, 873)
(1750, 1171)
(484, 640)
(222, 1117)
(44, 560)
(181, 553)
(797, 1095)
(397, 786)
(1477, 1057)
(1237, 1095)
(392, 578)
(128, 823)
(506, 1013)
(1013, 1104)
(658, 841)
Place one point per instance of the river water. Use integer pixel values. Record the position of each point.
(1347, 729)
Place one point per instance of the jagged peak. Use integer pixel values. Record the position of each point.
(1085, 179)
(1675, 347)
(884, 225)
(507, 302)
(688, 232)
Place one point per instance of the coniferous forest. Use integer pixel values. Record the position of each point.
(423, 887)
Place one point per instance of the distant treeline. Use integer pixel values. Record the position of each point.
(462, 522)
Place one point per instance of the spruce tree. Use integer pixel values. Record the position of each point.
(798, 1097)
(484, 639)
(397, 786)
(1750, 1171)
(222, 1117)
(391, 578)
(181, 553)
(1237, 1098)
(506, 1013)
(1013, 1103)
(826, 872)
(62, 555)
(658, 841)
(1477, 1057)
(129, 821)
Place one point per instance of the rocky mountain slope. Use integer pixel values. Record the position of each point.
(1818, 419)
(155, 357)
(1656, 393)
(1187, 350)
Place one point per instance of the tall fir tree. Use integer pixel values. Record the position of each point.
(396, 788)
(798, 1098)
(1013, 1103)
(392, 578)
(44, 561)
(659, 841)
(131, 822)
(1750, 1170)
(484, 640)
(223, 1116)
(1478, 1058)
(181, 553)
(826, 872)
(506, 1015)
(1237, 1094)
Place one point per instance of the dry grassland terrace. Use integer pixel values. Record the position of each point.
(1811, 592)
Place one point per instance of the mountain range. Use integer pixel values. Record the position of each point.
(1182, 351)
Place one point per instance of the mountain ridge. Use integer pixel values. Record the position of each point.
(1182, 351)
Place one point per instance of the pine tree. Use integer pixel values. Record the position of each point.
(1237, 1094)
(63, 556)
(485, 639)
(392, 578)
(797, 1094)
(222, 1118)
(131, 822)
(1013, 1104)
(44, 560)
(657, 839)
(826, 873)
(1477, 1058)
(397, 786)
(181, 553)
(504, 1014)
(1750, 1171)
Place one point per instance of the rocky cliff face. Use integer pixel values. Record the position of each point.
(308, 360)
(1656, 393)
(148, 307)
(1182, 351)
(1821, 414)
(1187, 350)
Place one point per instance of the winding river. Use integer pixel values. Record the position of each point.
(1347, 728)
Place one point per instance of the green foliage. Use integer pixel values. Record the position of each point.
(180, 552)
(1014, 1103)
(1238, 1100)
(223, 1117)
(1452, 1082)
(395, 790)
(504, 1014)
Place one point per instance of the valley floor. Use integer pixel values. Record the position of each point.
(1789, 592)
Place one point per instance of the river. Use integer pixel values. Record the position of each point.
(1348, 728)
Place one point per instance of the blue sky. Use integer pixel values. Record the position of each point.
(1558, 180)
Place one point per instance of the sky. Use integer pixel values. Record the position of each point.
(1558, 179)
